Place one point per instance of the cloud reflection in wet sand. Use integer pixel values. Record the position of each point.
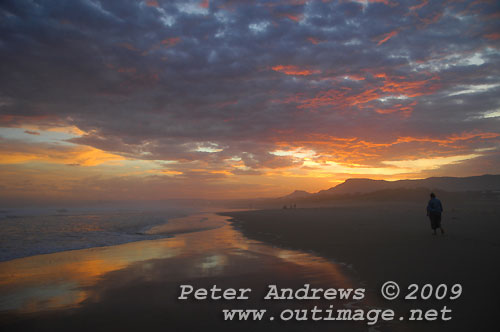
(67, 279)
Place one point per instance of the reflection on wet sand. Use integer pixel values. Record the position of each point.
(66, 279)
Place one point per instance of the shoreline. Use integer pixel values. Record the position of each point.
(137, 284)
(173, 225)
(395, 243)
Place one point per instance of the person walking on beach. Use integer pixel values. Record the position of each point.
(434, 210)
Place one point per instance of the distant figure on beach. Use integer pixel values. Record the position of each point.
(434, 210)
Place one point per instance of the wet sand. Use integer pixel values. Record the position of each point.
(387, 241)
(135, 286)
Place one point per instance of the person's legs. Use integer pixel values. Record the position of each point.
(433, 223)
(438, 223)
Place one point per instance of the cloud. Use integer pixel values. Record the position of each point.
(15, 152)
(385, 37)
(294, 70)
(214, 88)
(493, 36)
(170, 41)
(152, 3)
(420, 5)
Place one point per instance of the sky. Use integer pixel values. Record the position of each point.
(151, 100)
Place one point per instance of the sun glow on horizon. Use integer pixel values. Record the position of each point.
(287, 170)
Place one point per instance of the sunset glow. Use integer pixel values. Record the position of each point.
(204, 99)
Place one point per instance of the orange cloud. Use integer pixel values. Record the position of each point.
(294, 70)
(14, 120)
(314, 40)
(166, 171)
(388, 86)
(152, 3)
(73, 130)
(315, 157)
(170, 41)
(409, 88)
(17, 153)
(356, 151)
(449, 140)
(387, 36)
(404, 109)
(432, 18)
(420, 5)
(205, 4)
(492, 36)
(355, 77)
(293, 17)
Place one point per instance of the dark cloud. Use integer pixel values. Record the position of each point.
(159, 80)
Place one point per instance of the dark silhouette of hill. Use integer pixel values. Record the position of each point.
(456, 188)
(451, 184)
(297, 194)
(484, 187)
(363, 186)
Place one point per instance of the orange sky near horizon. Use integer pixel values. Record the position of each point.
(51, 167)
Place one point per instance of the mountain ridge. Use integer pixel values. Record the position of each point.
(487, 182)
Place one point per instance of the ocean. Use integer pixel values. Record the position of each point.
(31, 232)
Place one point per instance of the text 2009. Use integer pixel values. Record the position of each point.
(428, 291)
